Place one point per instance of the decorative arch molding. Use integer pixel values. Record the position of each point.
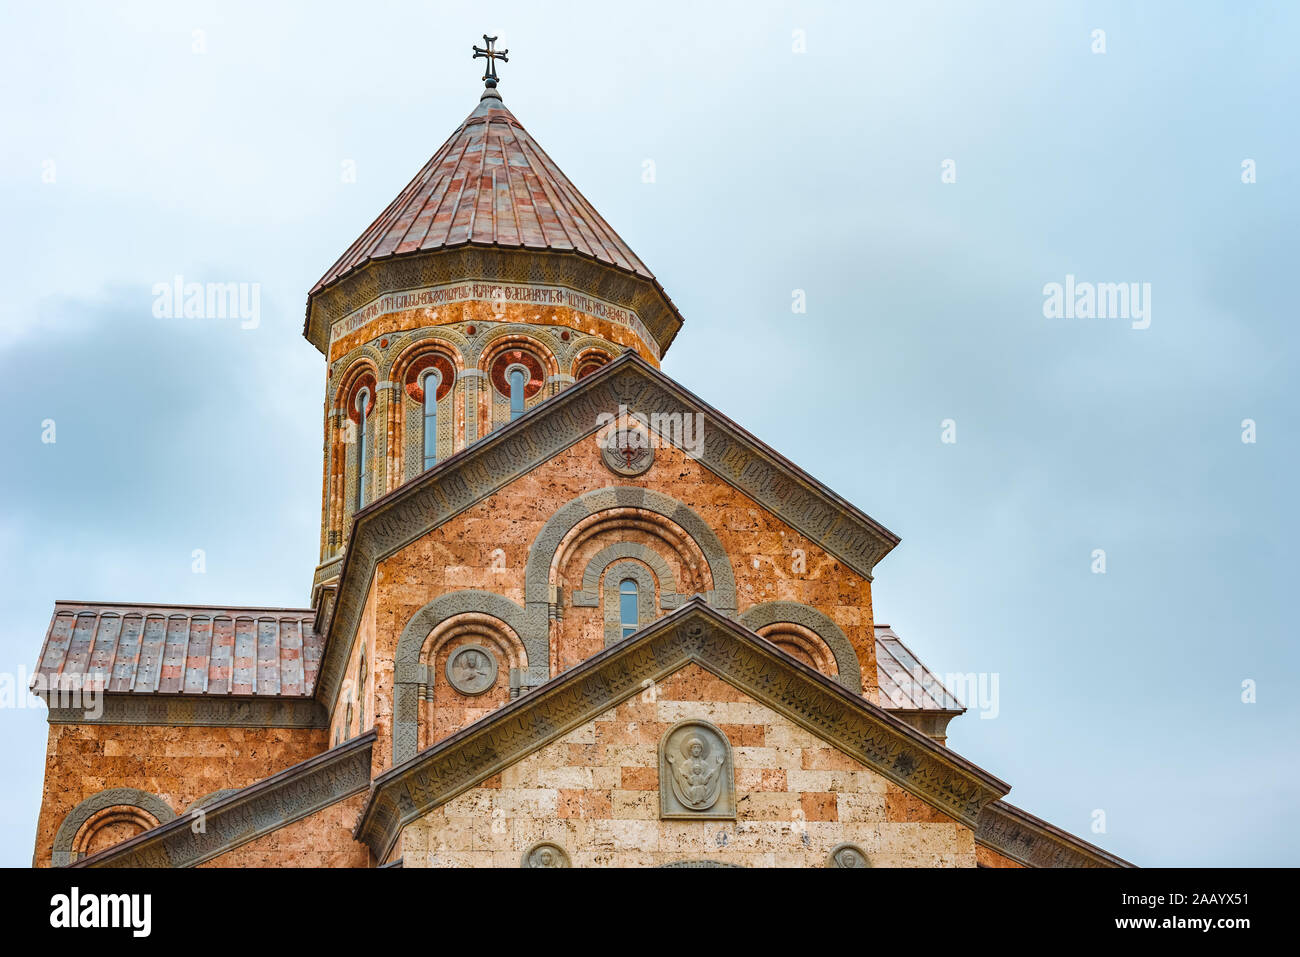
(537, 585)
(803, 643)
(588, 597)
(797, 613)
(151, 804)
(353, 368)
(415, 347)
(507, 336)
(409, 671)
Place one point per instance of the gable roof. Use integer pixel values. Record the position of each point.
(695, 633)
(480, 470)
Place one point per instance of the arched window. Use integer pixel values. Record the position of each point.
(627, 606)
(518, 378)
(363, 473)
(347, 722)
(430, 383)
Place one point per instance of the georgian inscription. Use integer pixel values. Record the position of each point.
(531, 294)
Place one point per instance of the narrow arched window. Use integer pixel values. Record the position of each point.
(518, 379)
(432, 380)
(627, 606)
(361, 696)
(363, 473)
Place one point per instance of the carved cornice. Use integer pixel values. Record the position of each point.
(205, 711)
(480, 470)
(248, 813)
(695, 633)
(469, 262)
(1033, 842)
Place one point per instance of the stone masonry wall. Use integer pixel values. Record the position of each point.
(323, 839)
(595, 792)
(486, 547)
(179, 765)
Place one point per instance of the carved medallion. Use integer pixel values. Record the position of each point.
(545, 854)
(696, 776)
(627, 452)
(472, 669)
(847, 855)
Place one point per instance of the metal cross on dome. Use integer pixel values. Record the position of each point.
(490, 76)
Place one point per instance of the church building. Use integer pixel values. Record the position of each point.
(566, 614)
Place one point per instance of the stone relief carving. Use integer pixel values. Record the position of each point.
(627, 452)
(472, 669)
(696, 776)
(847, 855)
(545, 854)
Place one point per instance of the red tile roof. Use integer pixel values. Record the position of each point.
(173, 649)
(490, 184)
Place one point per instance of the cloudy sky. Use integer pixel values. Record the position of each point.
(794, 147)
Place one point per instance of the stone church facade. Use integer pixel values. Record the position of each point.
(566, 612)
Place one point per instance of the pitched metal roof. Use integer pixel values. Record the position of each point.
(175, 649)
(490, 184)
(905, 683)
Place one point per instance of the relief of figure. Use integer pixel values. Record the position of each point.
(472, 669)
(545, 854)
(697, 774)
(848, 855)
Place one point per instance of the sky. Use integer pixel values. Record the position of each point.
(856, 206)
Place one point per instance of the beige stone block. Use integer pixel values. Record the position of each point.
(769, 806)
(855, 806)
(606, 778)
(565, 777)
(766, 757)
(641, 805)
(783, 734)
(820, 781)
(527, 802)
(476, 801)
(623, 834)
(583, 735)
(460, 859)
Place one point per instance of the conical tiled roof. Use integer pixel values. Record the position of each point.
(490, 184)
